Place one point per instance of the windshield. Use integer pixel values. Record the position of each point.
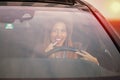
(63, 36)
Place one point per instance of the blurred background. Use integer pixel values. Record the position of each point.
(110, 10)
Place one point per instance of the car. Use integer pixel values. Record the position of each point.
(56, 39)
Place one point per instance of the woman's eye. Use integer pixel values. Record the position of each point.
(54, 30)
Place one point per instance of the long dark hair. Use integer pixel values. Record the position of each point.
(48, 29)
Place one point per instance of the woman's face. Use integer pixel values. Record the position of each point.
(58, 34)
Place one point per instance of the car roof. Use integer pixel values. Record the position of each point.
(67, 2)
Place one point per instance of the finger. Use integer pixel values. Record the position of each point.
(49, 47)
(54, 43)
(85, 59)
(86, 53)
(81, 54)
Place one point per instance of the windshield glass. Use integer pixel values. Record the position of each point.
(54, 34)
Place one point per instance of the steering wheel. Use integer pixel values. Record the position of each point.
(63, 48)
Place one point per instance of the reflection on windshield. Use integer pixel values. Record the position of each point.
(56, 35)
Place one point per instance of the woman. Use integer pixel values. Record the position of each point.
(60, 35)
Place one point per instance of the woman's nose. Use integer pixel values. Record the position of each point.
(59, 33)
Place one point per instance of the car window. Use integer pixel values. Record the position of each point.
(28, 35)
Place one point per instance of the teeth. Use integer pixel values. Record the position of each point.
(58, 39)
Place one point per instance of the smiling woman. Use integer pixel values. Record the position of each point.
(59, 35)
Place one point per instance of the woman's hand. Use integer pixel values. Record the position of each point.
(50, 46)
(88, 57)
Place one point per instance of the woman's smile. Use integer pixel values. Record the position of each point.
(59, 34)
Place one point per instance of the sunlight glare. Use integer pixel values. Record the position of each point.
(115, 7)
